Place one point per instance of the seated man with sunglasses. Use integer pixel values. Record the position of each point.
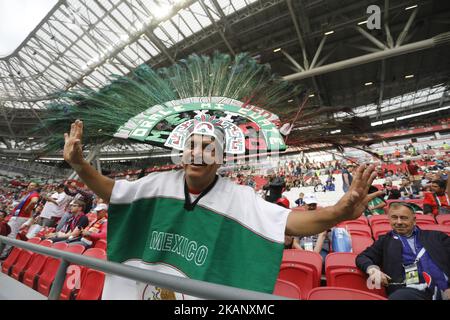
(71, 230)
(412, 264)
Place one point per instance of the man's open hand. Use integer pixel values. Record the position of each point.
(73, 152)
(355, 201)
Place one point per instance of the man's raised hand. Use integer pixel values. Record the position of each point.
(73, 152)
(355, 201)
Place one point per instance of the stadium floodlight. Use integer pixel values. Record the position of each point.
(368, 83)
(329, 32)
(277, 50)
(411, 7)
(422, 113)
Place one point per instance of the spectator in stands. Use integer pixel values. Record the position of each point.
(22, 213)
(398, 259)
(54, 207)
(376, 205)
(290, 242)
(5, 229)
(319, 243)
(391, 192)
(437, 201)
(299, 202)
(98, 229)
(84, 194)
(445, 146)
(409, 191)
(274, 187)
(413, 172)
(347, 177)
(71, 230)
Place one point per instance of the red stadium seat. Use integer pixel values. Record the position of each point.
(443, 219)
(422, 219)
(360, 221)
(34, 240)
(36, 266)
(75, 248)
(341, 271)
(21, 264)
(45, 279)
(303, 268)
(359, 230)
(287, 289)
(11, 260)
(67, 292)
(332, 293)
(101, 244)
(91, 286)
(360, 243)
(380, 229)
(375, 219)
(437, 227)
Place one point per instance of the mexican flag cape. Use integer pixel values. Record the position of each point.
(231, 237)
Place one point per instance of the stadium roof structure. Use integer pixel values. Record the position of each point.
(325, 45)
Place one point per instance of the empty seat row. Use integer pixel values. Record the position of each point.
(39, 271)
(300, 273)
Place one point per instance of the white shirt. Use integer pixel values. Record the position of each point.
(56, 210)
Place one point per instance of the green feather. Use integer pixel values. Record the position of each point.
(221, 75)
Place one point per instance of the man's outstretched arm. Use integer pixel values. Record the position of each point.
(349, 207)
(73, 154)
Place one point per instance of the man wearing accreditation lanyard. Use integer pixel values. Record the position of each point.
(412, 264)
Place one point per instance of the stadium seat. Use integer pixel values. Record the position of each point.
(34, 240)
(360, 221)
(375, 219)
(67, 292)
(303, 268)
(287, 289)
(380, 229)
(422, 219)
(333, 293)
(11, 260)
(91, 286)
(21, 264)
(360, 243)
(341, 271)
(359, 230)
(101, 244)
(36, 266)
(45, 279)
(443, 219)
(437, 227)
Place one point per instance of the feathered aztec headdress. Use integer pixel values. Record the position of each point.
(164, 107)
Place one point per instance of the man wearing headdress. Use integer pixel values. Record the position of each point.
(194, 223)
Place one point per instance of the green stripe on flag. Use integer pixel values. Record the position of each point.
(202, 244)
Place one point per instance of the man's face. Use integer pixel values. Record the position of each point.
(101, 214)
(200, 160)
(311, 206)
(32, 186)
(75, 208)
(435, 188)
(402, 220)
(405, 182)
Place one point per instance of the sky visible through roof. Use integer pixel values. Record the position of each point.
(17, 19)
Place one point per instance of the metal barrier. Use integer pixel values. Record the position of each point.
(191, 287)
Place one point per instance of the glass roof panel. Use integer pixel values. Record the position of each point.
(13, 31)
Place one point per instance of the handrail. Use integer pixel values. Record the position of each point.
(191, 287)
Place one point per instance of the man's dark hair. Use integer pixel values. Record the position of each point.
(441, 183)
(60, 186)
